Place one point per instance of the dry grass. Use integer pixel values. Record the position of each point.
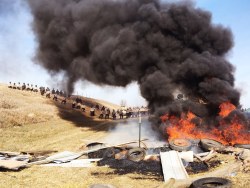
(43, 129)
(22, 107)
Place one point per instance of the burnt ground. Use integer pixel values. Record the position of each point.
(199, 167)
(124, 166)
(152, 168)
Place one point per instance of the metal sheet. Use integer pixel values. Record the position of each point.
(64, 157)
(172, 166)
(12, 164)
(80, 163)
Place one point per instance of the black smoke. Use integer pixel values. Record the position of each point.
(164, 47)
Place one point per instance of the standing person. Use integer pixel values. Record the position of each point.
(55, 97)
(121, 114)
(53, 91)
(23, 86)
(107, 113)
(102, 114)
(92, 111)
(10, 85)
(113, 114)
(103, 108)
(14, 86)
(19, 86)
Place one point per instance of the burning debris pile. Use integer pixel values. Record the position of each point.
(231, 129)
(164, 47)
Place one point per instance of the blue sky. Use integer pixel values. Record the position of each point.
(18, 45)
(235, 15)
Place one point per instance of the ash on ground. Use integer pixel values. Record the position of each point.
(152, 168)
(125, 166)
(199, 167)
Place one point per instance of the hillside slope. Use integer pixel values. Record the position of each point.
(31, 122)
(24, 107)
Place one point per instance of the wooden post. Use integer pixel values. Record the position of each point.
(139, 129)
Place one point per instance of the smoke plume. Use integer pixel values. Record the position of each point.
(164, 47)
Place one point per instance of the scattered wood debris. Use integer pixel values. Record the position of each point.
(152, 162)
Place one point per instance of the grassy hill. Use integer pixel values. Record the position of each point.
(22, 107)
(31, 122)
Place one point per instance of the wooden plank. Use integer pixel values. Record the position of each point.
(172, 166)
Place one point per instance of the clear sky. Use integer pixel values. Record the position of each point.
(235, 15)
(18, 45)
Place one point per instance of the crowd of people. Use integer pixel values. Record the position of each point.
(43, 90)
(107, 113)
(19, 86)
(123, 112)
(78, 103)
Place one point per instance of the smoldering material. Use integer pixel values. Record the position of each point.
(163, 47)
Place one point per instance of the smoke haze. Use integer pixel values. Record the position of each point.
(163, 47)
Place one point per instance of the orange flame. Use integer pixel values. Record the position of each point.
(226, 108)
(231, 134)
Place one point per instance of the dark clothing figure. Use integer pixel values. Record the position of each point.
(47, 94)
(42, 90)
(113, 114)
(10, 85)
(14, 86)
(102, 114)
(107, 113)
(121, 114)
(55, 98)
(53, 91)
(23, 86)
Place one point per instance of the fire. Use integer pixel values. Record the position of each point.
(226, 133)
(226, 108)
